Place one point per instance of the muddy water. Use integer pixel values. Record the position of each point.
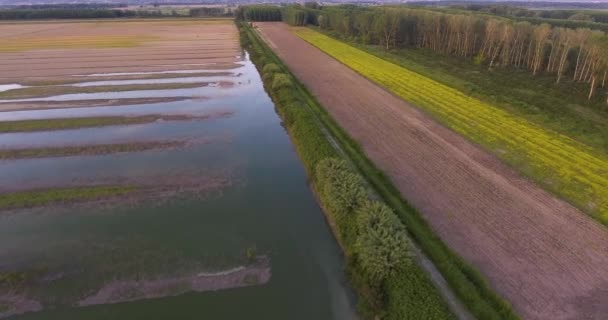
(74, 254)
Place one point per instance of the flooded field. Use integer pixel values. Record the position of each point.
(144, 173)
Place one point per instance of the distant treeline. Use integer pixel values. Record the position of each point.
(559, 18)
(89, 13)
(68, 6)
(211, 12)
(524, 4)
(31, 14)
(293, 14)
(259, 13)
(578, 54)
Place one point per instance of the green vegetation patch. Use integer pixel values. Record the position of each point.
(26, 199)
(47, 152)
(47, 91)
(75, 123)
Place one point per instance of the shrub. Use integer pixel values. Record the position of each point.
(382, 244)
(343, 190)
(268, 71)
(280, 81)
(271, 68)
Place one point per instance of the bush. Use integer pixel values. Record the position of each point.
(281, 81)
(342, 189)
(382, 244)
(271, 68)
(268, 71)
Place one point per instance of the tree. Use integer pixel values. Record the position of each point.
(382, 245)
(541, 34)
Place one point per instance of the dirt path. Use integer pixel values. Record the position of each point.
(543, 255)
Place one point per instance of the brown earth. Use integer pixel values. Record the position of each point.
(60, 49)
(546, 257)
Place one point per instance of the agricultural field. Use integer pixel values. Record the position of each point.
(136, 181)
(572, 170)
(501, 223)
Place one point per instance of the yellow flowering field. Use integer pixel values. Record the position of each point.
(562, 165)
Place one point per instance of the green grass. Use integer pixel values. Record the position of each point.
(47, 91)
(75, 123)
(101, 149)
(562, 165)
(27, 199)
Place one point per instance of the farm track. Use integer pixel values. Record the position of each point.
(546, 257)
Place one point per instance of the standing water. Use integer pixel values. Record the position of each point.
(253, 244)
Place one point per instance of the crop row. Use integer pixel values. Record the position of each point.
(564, 166)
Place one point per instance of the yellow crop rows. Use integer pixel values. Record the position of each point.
(568, 168)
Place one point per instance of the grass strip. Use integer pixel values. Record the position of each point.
(88, 150)
(85, 122)
(48, 91)
(406, 294)
(571, 170)
(465, 281)
(27, 199)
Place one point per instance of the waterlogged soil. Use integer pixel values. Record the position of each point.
(117, 77)
(254, 273)
(42, 105)
(207, 205)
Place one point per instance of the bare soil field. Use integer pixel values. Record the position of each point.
(546, 257)
(29, 51)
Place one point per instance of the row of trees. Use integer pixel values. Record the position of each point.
(597, 19)
(380, 239)
(293, 14)
(211, 12)
(259, 13)
(579, 54)
(71, 13)
(97, 13)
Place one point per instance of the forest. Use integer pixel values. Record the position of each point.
(577, 54)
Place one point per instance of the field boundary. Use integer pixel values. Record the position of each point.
(466, 282)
